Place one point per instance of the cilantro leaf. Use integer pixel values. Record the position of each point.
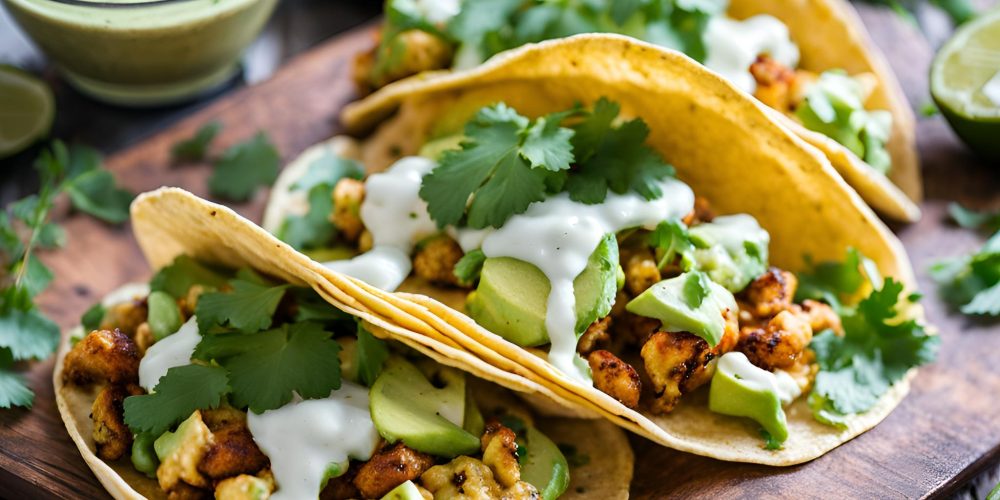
(493, 169)
(972, 281)
(617, 158)
(696, 289)
(672, 240)
(184, 272)
(972, 219)
(194, 148)
(547, 144)
(371, 355)
(834, 282)
(249, 307)
(91, 319)
(467, 268)
(35, 277)
(244, 167)
(327, 170)
(27, 334)
(51, 235)
(876, 351)
(315, 229)
(301, 358)
(95, 193)
(14, 389)
(176, 396)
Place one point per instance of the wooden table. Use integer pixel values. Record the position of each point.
(943, 434)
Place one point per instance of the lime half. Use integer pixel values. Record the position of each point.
(26, 110)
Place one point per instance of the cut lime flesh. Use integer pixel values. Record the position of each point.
(26, 110)
(965, 83)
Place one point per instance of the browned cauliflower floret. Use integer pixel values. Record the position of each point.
(820, 316)
(233, 450)
(112, 437)
(771, 293)
(347, 197)
(144, 338)
(409, 53)
(103, 356)
(468, 478)
(615, 377)
(702, 212)
(499, 445)
(245, 487)
(779, 86)
(435, 260)
(678, 363)
(641, 271)
(389, 468)
(126, 316)
(779, 344)
(184, 450)
(595, 337)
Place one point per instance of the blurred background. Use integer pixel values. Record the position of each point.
(296, 26)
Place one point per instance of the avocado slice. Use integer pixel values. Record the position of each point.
(741, 389)
(544, 467)
(191, 433)
(687, 303)
(406, 407)
(512, 295)
(405, 491)
(732, 249)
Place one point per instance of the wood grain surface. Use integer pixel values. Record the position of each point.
(944, 433)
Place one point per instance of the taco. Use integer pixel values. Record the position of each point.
(810, 60)
(643, 237)
(230, 374)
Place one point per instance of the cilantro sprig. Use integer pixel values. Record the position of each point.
(239, 170)
(972, 281)
(507, 161)
(248, 307)
(176, 396)
(879, 345)
(25, 332)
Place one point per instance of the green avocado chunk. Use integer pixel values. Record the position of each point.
(407, 407)
(512, 295)
(741, 389)
(405, 491)
(191, 432)
(687, 303)
(544, 467)
(732, 249)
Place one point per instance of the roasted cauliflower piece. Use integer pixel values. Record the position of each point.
(771, 293)
(777, 345)
(245, 487)
(111, 436)
(615, 377)
(126, 316)
(347, 197)
(678, 363)
(232, 452)
(499, 445)
(702, 212)
(779, 86)
(103, 356)
(389, 468)
(468, 478)
(180, 453)
(409, 53)
(641, 271)
(144, 338)
(595, 336)
(820, 317)
(435, 260)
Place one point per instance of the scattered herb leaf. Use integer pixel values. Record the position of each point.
(196, 147)
(244, 167)
(176, 396)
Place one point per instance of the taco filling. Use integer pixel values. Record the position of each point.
(572, 236)
(214, 382)
(755, 54)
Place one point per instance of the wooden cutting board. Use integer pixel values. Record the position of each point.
(943, 434)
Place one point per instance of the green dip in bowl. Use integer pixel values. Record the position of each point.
(143, 52)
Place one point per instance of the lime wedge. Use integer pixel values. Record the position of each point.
(965, 83)
(26, 110)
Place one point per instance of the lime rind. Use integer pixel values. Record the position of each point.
(27, 110)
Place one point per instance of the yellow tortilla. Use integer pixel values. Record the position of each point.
(169, 222)
(814, 25)
(726, 147)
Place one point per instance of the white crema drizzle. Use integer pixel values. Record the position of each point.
(732, 46)
(303, 439)
(558, 235)
(170, 352)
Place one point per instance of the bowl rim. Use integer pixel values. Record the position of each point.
(117, 5)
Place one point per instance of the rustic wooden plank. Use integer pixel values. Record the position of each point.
(941, 435)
